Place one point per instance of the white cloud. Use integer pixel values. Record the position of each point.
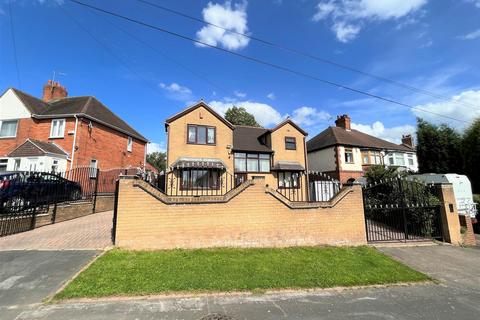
(464, 106)
(175, 91)
(240, 94)
(348, 16)
(345, 32)
(471, 36)
(156, 147)
(232, 17)
(475, 2)
(308, 116)
(377, 129)
(265, 114)
(271, 96)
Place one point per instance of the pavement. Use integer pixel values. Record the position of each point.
(89, 232)
(456, 296)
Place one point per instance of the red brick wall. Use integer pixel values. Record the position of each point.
(106, 145)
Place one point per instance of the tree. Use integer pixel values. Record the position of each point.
(158, 160)
(471, 152)
(375, 173)
(439, 148)
(240, 116)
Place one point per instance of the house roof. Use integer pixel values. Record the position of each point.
(247, 138)
(86, 106)
(288, 120)
(338, 136)
(195, 106)
(33, 147)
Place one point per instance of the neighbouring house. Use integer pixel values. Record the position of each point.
(58, 133)
(206, 152)
(345, 153)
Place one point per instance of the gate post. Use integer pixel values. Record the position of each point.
(96, 190)
(115, 209)
(449, 214)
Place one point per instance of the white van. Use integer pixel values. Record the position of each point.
(462, 189)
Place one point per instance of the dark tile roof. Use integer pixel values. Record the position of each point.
(339, 136)
(33, 147)
(248, 139)
(288, 166)
(87, 106)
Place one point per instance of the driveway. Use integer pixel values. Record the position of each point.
(457, 296)
(89, 232)
(28, 277)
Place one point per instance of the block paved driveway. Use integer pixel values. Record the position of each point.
(89, 232)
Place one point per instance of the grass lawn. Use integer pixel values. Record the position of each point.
(121, 272)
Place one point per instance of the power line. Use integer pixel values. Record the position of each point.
(163, 55)
(106, 48)
(14, 43)
(266, 63)
(310, 56)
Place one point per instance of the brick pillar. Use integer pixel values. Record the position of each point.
(468, 235)
(449, 214)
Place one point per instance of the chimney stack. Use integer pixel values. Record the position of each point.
(407, 140)
(343, 121)
(53, 90)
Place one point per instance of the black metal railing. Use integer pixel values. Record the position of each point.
(400, 210)
(293, 186)
(197, 182)
(25, 195)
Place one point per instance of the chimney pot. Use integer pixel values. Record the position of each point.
(53, 90)
(344, 122)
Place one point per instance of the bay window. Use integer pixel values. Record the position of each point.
(288, 180)
(200, 179)
(8, 128)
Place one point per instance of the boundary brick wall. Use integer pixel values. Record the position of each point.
(252, 218)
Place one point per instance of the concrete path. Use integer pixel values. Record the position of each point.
(89, 232)
(456, 297)
(28, 277)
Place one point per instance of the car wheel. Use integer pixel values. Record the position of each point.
(15, 204)
(75, 195)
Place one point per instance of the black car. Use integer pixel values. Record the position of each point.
(24, 190)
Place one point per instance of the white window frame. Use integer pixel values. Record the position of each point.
(16, 127)
(60, 135)
(129, 144)
(93, 168)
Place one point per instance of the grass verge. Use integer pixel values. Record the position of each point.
(122, 273)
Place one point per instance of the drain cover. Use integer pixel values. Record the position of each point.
(217, 316)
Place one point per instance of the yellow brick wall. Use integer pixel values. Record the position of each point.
(177, 138)
(251, 219)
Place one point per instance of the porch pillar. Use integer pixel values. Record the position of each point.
(449, 214)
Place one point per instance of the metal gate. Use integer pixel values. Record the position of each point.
(401, 210)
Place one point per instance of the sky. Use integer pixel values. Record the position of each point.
(422, 53)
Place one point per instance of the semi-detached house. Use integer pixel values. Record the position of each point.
(345, 153)
(57, 133)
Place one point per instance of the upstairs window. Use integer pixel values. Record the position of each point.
(399, 159)
(290, 143)
(376, 157)
(348, 155)
(8, 129)
(365, 157)
(58, 128)
(129, 144)
(201, 134)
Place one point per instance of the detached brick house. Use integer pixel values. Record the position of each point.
(205, 151)
(57, 133)
(345, 153)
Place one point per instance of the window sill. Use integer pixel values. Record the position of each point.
(56, 137)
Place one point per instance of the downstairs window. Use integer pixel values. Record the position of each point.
(200, 179)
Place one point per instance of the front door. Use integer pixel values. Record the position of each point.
(240, 178)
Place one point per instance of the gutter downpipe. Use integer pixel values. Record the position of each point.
(74, 142)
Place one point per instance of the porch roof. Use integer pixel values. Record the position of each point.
(288, 166)
(198, 163)
(33, 147)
